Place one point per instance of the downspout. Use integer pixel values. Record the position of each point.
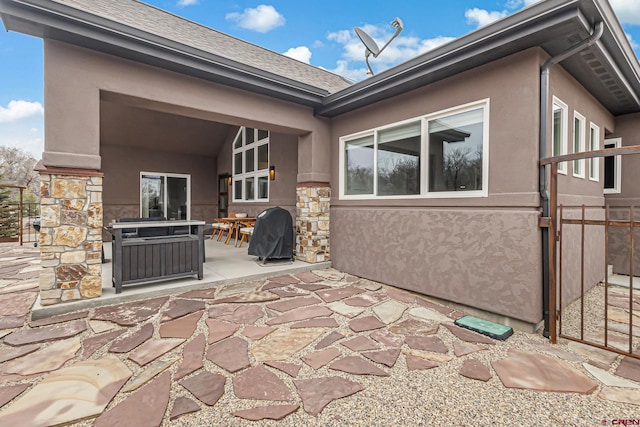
(595, 35)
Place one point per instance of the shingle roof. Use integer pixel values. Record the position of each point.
(160, 23)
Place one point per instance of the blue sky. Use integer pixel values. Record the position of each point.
(313, 31)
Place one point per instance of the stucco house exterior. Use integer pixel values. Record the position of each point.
(424, 176)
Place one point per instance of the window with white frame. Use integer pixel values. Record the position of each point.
(165, 195)
(251, 165)
(559, 131)
(444, 154)
(594, 144)
(579, 127)
(612, 165)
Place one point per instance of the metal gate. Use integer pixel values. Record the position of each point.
(575, 303)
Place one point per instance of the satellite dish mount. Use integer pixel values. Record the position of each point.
(370, 44)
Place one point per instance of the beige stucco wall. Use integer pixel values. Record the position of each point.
(627, 128)
(484, 252)
(283, 154)
(121, 184)
(574, 192)
(578, 99)
(74, 78)
(487, 256)
(511, 86)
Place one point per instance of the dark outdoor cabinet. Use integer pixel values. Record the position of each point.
(146, 259)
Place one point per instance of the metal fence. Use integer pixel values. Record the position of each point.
(559, 311)
(17, 222)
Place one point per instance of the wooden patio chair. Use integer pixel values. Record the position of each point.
(224, 226)
(217, 224)
(246, 230)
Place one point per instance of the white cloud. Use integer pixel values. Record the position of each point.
(632, 42)
(301, 53)
(516, 4)
(18, 110)
(628, 11)
(481, 17)
(183, 3)
(34, 146)
(27, 135)
(401, 49)
(262, 19)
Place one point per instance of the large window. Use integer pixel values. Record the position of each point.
(559, 131)
(612, 167)
(165, 195)
(443, 154)
(251, 165)
(578, 143)
(594, 144)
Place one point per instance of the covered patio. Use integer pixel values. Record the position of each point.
(224, 265)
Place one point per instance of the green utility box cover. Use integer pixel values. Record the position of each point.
(493, 330)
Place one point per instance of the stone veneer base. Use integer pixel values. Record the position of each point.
(312, 222)
(70, 235)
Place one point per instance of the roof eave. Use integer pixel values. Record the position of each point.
(488, 44)
(50, 20)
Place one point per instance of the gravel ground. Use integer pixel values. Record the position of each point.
(435, 397)
(594, 313)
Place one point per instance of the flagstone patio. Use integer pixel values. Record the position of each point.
(319, 347)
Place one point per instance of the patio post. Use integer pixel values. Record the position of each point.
(312, 221)
(70, 235)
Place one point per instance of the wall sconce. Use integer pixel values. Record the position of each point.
(229, 181)
(272, 173)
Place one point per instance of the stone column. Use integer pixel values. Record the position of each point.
(70, 235)
(312, 222)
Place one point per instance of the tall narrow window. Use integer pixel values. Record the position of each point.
(612, 167)
(251, 165)
(594, 144)
(358, 165)
(559, 132)
(165, 195)
(578, 143)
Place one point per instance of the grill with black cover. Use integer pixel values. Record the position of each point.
(272, 237)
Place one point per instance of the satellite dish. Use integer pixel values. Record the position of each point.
(370, 44)
(367, 41)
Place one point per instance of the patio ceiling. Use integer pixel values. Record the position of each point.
(122, 124)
